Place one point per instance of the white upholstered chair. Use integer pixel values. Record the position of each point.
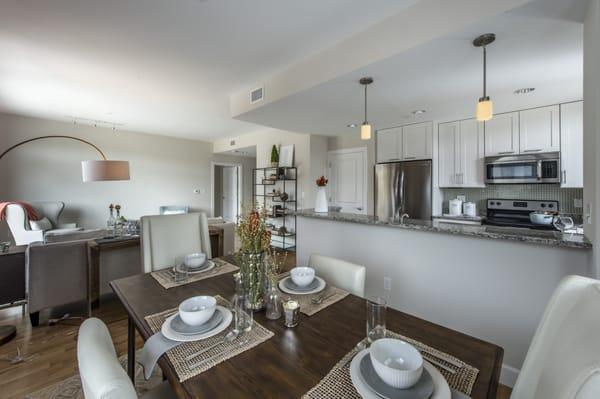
(102, 376)
(342, 274)
(563, 361)
(166, 237)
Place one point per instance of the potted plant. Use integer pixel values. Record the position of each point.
(274, 156)
(321, 204)
(255, 239)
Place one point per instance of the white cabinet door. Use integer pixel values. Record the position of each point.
(448, 153)
(539, 130)
(348, 177)
(389, 143)
(502, 135)
(571, 144)
(470, 154)
(416, 141)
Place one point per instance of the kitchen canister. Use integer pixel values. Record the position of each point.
(455, 207)
(470, 209)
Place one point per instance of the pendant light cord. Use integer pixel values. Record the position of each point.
(484, 72)
(366, 104)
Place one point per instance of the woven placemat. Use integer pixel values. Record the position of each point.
(177, 355)
(330, 296)
(338, 384)
(165, 277)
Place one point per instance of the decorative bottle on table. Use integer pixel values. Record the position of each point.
(321, 204)
(110, 224)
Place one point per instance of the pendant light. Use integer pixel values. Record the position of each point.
(365, 128)
(484, 105)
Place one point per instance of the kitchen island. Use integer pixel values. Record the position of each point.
(489, 282)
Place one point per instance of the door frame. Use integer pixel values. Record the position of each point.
(240, 169)
(365, 152)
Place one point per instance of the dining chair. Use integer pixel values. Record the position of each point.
(342, 274)
(563, 360)
(102, 376)
(166, 237)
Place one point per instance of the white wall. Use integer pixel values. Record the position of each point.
(164, 171)
(492, 289)
(303, 158)
(591, 128)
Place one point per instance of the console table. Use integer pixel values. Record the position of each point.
(12, 285)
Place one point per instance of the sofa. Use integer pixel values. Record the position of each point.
(23, 234)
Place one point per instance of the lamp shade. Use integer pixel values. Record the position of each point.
(484, 109)
(365, 131)
(103, 170)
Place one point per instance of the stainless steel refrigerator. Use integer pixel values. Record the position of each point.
(403, 188)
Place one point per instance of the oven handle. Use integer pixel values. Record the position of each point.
(539, 170)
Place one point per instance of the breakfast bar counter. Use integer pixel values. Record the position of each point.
(540, 237)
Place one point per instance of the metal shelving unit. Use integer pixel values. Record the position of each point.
(269, 186)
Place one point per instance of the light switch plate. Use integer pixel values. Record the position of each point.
(577, 202)
(387, 283)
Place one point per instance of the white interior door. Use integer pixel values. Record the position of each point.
(348, 179)
(230, 193)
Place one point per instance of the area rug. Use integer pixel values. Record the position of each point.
(71, 387)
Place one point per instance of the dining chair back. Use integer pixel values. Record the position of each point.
(166, 237)
(101, 373)
(563, 360)
(342, 274)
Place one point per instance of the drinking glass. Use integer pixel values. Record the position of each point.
(180, 271)
(376, 308)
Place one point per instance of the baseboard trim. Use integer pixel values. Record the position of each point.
(508, 375)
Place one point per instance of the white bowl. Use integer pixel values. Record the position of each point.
(396, 362)
(197, 310)
(195, 260)
(302, 276)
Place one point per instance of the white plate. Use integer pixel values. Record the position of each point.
(441, 390)
(319, 288)
(172, 335)
(203, 269)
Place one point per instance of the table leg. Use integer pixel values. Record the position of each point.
(94, 276)
(131, 349)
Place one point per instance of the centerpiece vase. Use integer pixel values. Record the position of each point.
(321, 204)
(252, 269)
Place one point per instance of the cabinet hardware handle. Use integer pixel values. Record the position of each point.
(564, 174)
(536, 150)
(506, 152)
(410, 157)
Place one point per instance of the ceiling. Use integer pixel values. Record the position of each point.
(539, 45)
(156, 66)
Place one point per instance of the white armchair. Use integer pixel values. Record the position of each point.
(19, 225)
(228, 233)
(166, 237)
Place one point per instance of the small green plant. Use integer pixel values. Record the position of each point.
(274, 155)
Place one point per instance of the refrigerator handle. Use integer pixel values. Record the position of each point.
(401, 189)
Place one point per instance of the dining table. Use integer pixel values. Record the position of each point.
(295, 359)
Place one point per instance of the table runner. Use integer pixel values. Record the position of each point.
(330, 294)
(165, 276)
(338, 384)
(177, 355)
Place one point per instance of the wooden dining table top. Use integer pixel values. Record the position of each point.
(295, 359)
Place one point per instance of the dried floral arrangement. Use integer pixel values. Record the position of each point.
(322, 181)
(275, 261)
(254, 234)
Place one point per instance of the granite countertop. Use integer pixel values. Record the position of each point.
(540, 237)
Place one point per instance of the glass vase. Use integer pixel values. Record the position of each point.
(252, 271)
(272, 302)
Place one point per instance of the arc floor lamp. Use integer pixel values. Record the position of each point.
(93, 170)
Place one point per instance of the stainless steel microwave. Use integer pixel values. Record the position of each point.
(538, 168)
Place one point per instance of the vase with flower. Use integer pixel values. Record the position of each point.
(321, 204)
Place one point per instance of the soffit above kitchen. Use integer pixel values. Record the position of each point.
(539, 44)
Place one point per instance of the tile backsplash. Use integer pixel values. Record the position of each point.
(565, 196)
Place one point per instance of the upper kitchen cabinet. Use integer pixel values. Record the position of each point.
(460, 154)
(416, 141)
(389, 145)
(502, 135)
(539, 130)
(571, 144)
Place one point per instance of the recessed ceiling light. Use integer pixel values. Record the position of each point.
(525, 90)
(351, 125)
(419, 112)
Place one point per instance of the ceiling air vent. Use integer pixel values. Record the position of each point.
(257, 95)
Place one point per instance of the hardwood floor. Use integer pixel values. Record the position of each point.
(51, 351)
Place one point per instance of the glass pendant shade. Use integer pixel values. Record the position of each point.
(365, 131)
(484, 109)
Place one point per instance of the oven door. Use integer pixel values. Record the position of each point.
(519, 170)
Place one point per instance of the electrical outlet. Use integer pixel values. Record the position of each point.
(577, 202)
(463, 197)
(387, 283)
